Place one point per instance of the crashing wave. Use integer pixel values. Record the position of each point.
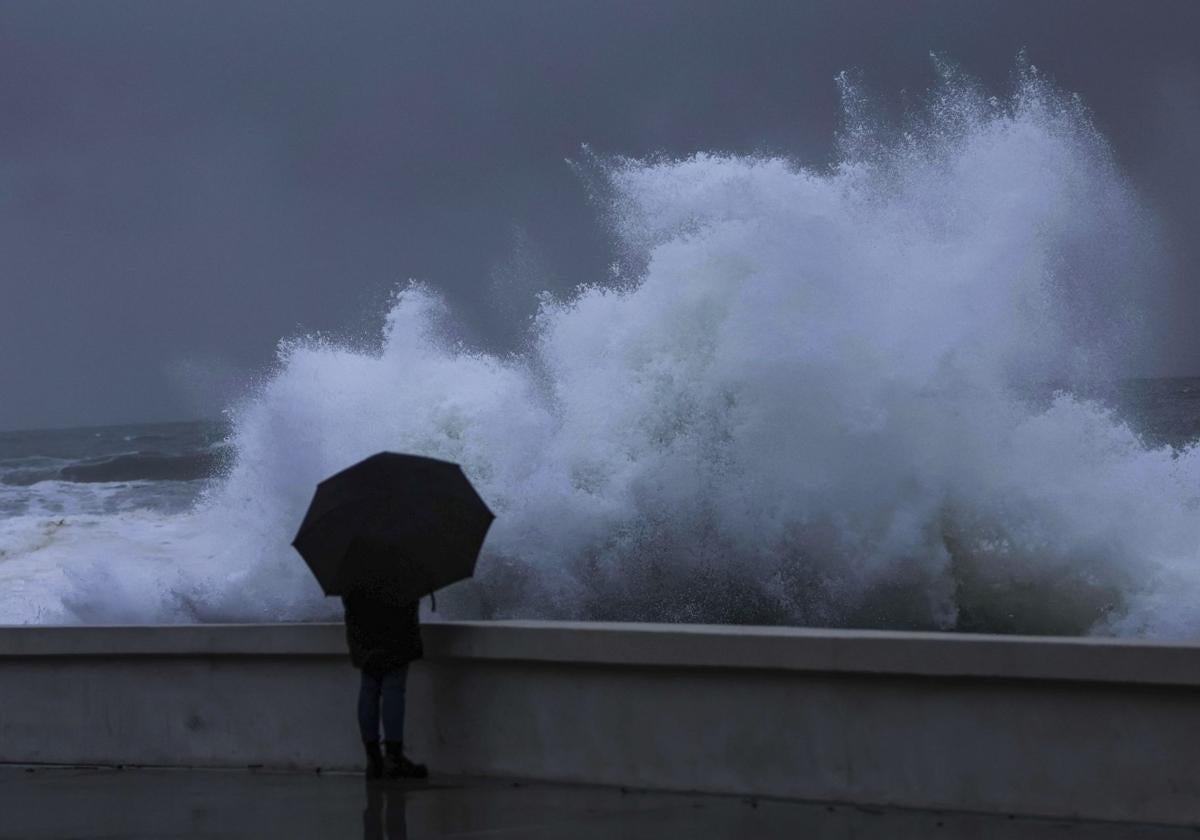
(811, 406)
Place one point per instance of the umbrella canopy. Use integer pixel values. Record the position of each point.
(400, 525)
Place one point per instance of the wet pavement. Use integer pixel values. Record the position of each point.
(59, 803)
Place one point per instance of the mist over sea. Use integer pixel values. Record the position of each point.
(893, 392)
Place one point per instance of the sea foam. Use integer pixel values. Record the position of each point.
(807, 400)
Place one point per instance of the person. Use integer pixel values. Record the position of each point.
(384, 636)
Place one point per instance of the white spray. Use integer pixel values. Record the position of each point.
(812, 406)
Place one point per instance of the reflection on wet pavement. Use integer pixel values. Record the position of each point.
(61, 803)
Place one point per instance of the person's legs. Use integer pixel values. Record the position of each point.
(397, 766)
(368, 723)
(368, 707)
(394, 686)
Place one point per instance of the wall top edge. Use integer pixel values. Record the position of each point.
(866, 652)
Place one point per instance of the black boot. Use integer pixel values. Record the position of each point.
(397, 766)
(374, 760)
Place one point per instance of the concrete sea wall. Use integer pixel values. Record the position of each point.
(1085, 728)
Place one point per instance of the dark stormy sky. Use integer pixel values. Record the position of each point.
(184, 183)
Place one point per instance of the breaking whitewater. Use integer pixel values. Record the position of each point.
(861, 395)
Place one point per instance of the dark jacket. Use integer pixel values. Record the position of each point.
(382, 635)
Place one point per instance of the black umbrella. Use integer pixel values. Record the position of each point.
(400, 525)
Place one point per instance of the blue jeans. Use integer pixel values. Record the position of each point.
(389, 688)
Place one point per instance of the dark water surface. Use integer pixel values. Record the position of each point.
(109, 469)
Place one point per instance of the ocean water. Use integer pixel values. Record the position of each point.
(871, 394)
(109, 470)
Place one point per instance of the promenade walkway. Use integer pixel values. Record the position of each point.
(44, 803)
